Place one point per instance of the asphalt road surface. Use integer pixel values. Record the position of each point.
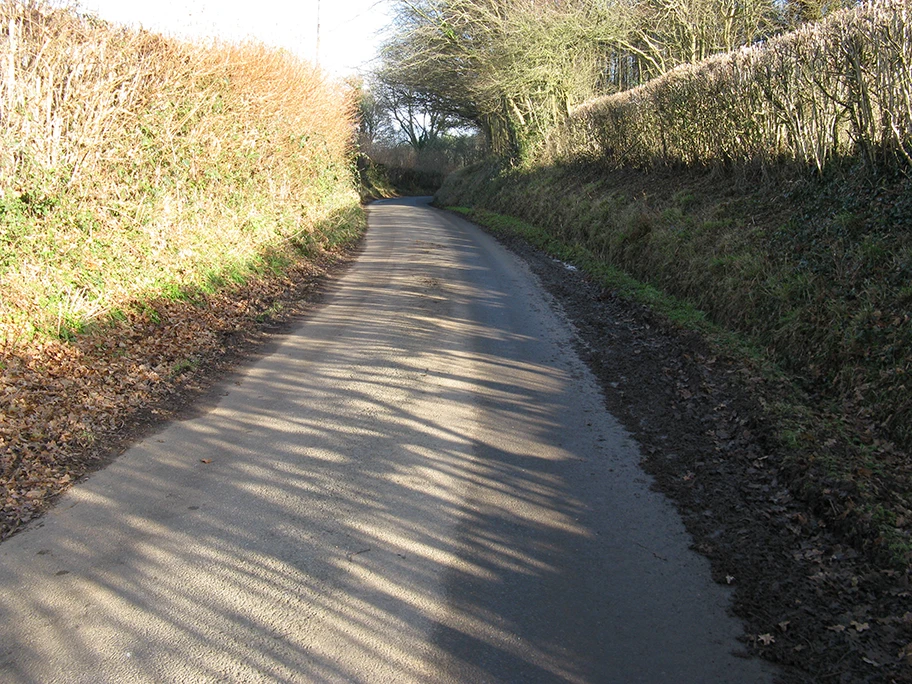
(417, 484)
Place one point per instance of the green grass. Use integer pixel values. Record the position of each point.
(184, 366)
(270, 312)
(231, 157)
(610, 277)
(762, 302)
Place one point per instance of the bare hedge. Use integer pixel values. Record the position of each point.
(839, 88)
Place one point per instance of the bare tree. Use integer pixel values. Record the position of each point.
(512, 67)
(515, 68)
(418, 120)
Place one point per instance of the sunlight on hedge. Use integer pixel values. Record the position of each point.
(135, 166)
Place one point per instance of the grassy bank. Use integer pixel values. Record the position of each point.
(137, 167)
(159, 201)
(808, 280)
(379, 181)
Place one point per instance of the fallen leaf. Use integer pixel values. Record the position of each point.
(906, 653)
(766, 639)
(860, 626)
(205, 460)
(784, 625)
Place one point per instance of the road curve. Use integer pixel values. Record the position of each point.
(418, 484)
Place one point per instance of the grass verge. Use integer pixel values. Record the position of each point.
(158, 199)
(141, 166)
(70, 404)
(859, 483)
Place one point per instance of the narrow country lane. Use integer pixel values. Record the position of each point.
(418, 484)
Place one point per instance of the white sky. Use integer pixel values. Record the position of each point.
(348, 28)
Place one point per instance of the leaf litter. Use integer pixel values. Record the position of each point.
(69, 407)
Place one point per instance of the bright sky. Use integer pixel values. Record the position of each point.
(348, 28)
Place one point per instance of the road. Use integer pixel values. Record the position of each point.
(417, 484)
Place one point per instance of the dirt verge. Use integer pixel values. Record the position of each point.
(810, 602)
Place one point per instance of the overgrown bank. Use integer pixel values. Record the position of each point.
(158, 199)
(812, 275)
(768, 189)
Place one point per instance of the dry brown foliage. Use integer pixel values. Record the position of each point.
(158, 198)
(133, 164)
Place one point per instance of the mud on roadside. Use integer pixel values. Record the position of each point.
(809, 601)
